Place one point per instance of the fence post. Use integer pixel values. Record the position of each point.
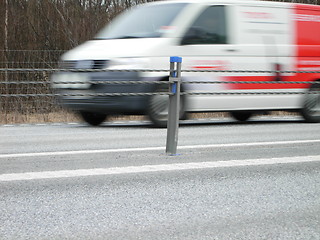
(174, 105)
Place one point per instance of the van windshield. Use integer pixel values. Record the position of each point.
(150, 21)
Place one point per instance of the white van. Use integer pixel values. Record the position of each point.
(209, 35)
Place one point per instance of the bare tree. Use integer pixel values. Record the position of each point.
(61, 24)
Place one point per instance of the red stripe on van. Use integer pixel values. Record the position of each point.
(252, 86)
(307, 40)
(307, 26)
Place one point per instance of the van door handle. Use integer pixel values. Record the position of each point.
(231, 50)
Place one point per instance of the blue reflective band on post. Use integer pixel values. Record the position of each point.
(176, 59)
(174, 74)
(174, 88)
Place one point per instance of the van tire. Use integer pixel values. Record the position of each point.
(158, 107)
(241, 116)
(93, 118)
(311, 105)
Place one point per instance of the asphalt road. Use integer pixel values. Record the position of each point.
(258, 180)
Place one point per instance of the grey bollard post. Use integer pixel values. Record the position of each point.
(174, 105)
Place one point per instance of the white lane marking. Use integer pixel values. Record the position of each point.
(142, 149)
(153, 168)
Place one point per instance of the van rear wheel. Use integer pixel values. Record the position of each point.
(311, 107)
(241, 116)
(93, 118)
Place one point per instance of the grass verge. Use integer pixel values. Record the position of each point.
(67, 116)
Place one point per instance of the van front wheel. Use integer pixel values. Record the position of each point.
(93, 118)
(311, 107)
(158, 108)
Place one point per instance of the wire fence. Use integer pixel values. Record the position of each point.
(23, 109)
(33, 59)
(26, 89)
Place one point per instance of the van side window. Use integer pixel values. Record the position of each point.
(208, 28)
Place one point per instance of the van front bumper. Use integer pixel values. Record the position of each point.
(117, 104)
(101, 93)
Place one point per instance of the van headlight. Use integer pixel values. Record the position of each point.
(128, 63)
(70, 80)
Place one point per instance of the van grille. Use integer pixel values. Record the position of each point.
(99, 64)
(84, 64)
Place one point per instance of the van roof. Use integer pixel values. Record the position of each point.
(223, 1)
(236, 2)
